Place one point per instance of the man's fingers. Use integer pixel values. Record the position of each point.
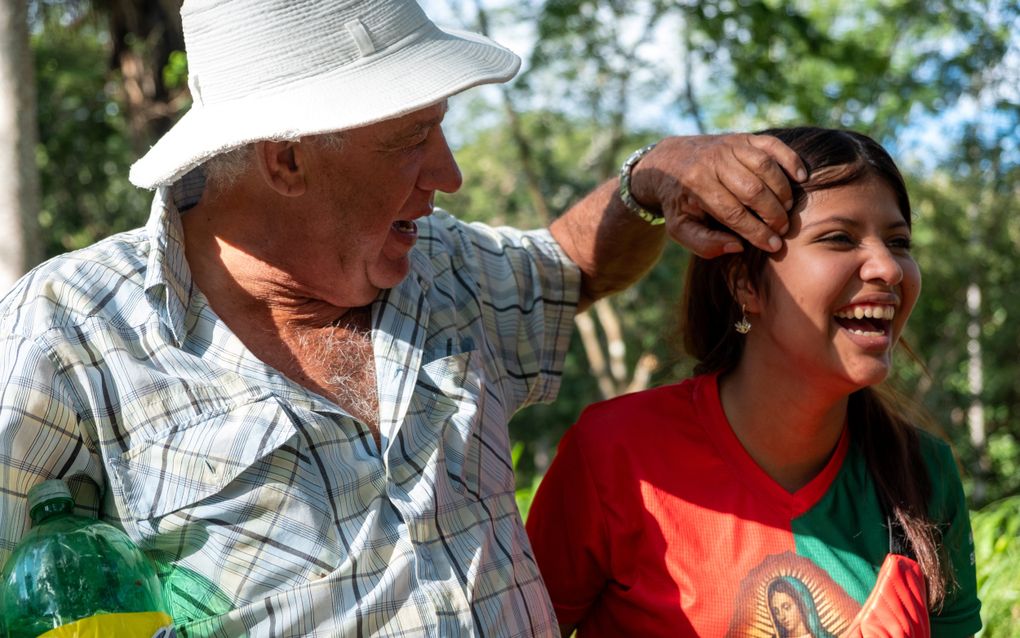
(743, 181)
(725, 207)
(700, 239)
(782, 154)
(759, 188)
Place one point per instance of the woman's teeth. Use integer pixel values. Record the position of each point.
(868, 312)
(866, 333)
(405, 226)
(866, 320)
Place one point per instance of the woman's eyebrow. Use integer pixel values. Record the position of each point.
(850, 222)
(838, 219)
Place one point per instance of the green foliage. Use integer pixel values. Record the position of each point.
(867, 65)
(84, 151)
(493, 188)
(967, 227)
(997, 552)
(871, 65)
(175, 73)
(525, 493)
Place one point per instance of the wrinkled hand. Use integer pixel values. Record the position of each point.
(739, 179)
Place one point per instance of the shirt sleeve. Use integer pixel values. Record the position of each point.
(529, 292)
(569, 535)
(961, 613)
(39, 438)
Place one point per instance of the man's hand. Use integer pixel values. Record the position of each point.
(739, 179)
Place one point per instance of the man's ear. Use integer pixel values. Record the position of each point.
(282, 166)
(744, 292)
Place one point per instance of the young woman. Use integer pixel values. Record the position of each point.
(779, 492)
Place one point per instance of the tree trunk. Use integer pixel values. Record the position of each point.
(976, 376)
(20, 246)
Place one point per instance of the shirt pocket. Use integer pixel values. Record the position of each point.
(196, 459)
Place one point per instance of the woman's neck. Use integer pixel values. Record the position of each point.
(788, 425)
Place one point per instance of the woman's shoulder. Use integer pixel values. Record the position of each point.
(646, 412)
(936, 451)
(943, 471)
(649, 400)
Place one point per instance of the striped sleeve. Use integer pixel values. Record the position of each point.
(529, 293)
(39, 437)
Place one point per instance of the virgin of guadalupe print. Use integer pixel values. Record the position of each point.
(788, 596)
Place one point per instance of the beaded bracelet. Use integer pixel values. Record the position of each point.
(653, 218)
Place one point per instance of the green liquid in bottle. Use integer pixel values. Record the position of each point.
(68, 568)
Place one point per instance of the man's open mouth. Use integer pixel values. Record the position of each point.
(405, 226)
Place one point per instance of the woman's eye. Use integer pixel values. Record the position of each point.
(841, 239)
(900, 243)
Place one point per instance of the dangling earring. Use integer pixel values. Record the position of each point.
(743, 326)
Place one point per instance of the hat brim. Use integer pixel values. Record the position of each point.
(435, 66)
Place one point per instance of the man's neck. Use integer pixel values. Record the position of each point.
(321, 346)
(230, 263)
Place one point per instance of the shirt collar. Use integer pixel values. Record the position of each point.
(168, 284)
(421, 270)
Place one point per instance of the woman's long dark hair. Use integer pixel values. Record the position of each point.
(878, 423)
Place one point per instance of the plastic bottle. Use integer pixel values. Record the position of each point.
(75, 577)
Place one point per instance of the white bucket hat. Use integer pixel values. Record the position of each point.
(282, 69)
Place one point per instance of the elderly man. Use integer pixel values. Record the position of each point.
(291, 388)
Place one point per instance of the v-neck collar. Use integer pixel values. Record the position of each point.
(720, 431)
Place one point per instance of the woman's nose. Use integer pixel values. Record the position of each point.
(882, 265)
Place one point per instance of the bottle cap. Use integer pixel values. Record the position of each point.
(48, 491)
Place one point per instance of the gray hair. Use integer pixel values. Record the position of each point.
(222, 170)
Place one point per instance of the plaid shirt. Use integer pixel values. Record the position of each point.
(268, 510)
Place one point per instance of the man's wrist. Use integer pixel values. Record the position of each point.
(652, 217)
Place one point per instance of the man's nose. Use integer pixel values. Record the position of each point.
(440, 171)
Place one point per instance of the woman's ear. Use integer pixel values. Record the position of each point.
(744, 292)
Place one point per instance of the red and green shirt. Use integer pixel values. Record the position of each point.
(654, 521)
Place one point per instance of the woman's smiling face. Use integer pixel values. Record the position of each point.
(837, 296)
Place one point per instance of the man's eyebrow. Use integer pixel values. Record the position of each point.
(424, 125)
(417, 128)
(431, 122)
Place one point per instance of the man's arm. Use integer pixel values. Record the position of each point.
(39, 438)
(688, 179)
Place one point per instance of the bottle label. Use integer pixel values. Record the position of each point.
(146, 624)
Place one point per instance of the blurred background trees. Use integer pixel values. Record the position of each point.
(937, 82)
(19, 180)
(110, 77)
